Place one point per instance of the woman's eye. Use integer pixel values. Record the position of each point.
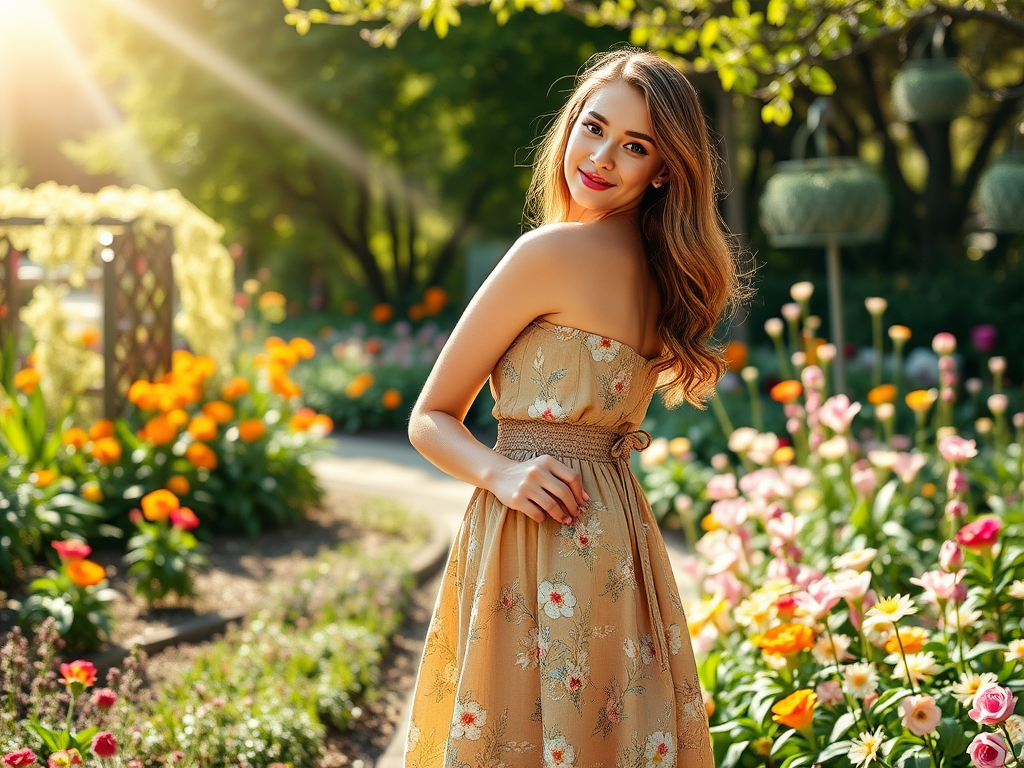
(592, 127)
(636, 147)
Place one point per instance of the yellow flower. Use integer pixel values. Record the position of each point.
(883, 393)
(302, 347)
(91, 492)
(920, 400)
(889, 610)
(158, 504)
(235, 388)
(865, 748)
(913, 639)
(784, 455)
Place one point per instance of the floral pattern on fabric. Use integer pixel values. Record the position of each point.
(545, 648)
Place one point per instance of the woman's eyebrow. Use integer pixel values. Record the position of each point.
(635, 134)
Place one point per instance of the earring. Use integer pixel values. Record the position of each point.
(656, 183)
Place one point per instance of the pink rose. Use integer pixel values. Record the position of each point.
(988, 750)
(104, 744)
(104, 698)
(981, 534)
(992, 704)
(22, 757)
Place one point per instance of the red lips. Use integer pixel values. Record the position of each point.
(593, 181)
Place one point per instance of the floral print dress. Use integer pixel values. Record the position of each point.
(562, 645)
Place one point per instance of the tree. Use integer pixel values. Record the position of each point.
(441, 128)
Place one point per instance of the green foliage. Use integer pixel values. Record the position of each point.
(765, 52)
(163, 557)
(82, 613)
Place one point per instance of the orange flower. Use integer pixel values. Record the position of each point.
(203, 367)
(106, 450)
(283, 355)
(75, 438)
(786, 391)
(157, 505)
(102, 428)
(91, 492)
(812, 350)
(391, 399)
(913, 639)
(929, 489)
(434, 300)
(359, 384)
(899, 333)
(735, 355)
(178, 485)
(786, 639)
(784, 454)
(181, 360)
(920, 400)
(140, 393)
(381, 313)
(235, 388)
(159, 430)
(285, 387)
(201, 455)
(27, 379)
(416, 312)
(883, 393)
(322, 425)
(42, 477)
(219, 411)
(796, 710)
(302, 419)
(81, 672)
(89, 336)
(177, 418)
(302, 347)
(251, 429)
(203, 428)
(85, 573)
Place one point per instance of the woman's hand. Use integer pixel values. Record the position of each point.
(541, 487)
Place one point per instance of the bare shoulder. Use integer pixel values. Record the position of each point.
(569, 248)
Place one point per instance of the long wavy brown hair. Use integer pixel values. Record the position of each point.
(695, 258)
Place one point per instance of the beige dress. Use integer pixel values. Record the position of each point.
(562, 645)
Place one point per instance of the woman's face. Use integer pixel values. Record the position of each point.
(610, 158)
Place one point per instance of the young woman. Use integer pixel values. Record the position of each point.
(558, 637)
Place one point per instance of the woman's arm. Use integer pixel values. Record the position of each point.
(522, 287)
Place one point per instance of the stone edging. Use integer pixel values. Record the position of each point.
(425, 563)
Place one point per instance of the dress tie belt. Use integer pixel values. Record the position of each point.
(589, 442)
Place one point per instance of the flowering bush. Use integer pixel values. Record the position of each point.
(858, 587)
(163, 554)
(75, 596)
(373, 375)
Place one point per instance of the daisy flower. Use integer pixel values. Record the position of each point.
(865, 748)
(860, 679)
(967, 687)
(889, 610)
(920, 666)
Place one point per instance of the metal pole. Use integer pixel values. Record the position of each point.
(835, 300)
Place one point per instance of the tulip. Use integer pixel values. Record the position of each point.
(20, 758)
(951, 556)
(104, 744)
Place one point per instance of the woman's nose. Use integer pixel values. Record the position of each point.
(602, 156)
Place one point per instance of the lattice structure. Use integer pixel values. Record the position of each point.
(138, 314)
(9, 298)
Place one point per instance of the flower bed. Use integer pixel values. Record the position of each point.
(859, 579)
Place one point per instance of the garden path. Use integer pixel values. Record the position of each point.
(386, 464)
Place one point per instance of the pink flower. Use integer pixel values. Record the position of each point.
(818, 598)
(956, 449)
(955, 508)
(784, 527)
(864, 481)
(851, 585)
(22, 757)
(907, 465)
(730, 513)
(104, 698)
(950, 555)
(71, 549)
(938, 585)
(837, 413)
(944, 344)
(829, 693)
(812, 377)
(722, 487)
(988, 750)
(992, 704)
(957, 484)
(65, 758)
(981, 534)
(765, 484)
(983, 337)
(920, 714)
(104, 744)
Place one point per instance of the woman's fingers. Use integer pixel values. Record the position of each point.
(573, 480)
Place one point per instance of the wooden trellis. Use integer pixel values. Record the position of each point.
(138, 305)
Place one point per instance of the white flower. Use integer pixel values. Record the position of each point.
(549, 409)
(660, 751)
(741, 439)
(865, 748)
(602, 348)
(823, 652)
(859, 680)
(557, 752)
(535, 647)
(856, 560)
(920, 665)
(889, 610)
(469, 717)
(967, 687)
(555, 598)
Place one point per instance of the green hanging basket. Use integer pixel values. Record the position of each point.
(1001, 193)
(824, 200)
(930, 90)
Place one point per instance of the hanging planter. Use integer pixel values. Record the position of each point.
(932, 90)
(826, 199)
(1001, 193)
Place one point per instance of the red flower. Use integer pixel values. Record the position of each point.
(185, 518)
(104, 744)
(104, 698)
(72, 549)
(22, 757)
(79, 672)
(981, 534)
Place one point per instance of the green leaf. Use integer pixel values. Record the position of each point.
(821, 81)
(843, 723)
(781, 741)
(986, 646)
(835, 749)
(54, 740)
(733, 754)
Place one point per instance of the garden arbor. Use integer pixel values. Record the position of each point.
(156, 249)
